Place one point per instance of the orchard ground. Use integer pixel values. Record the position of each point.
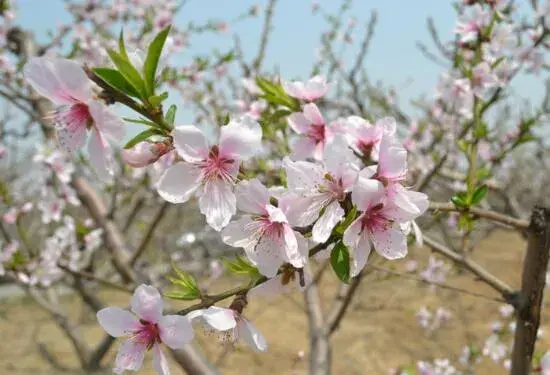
(380, 331)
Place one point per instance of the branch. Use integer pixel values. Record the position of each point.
(149, 235)
(342, 302)
(265, 36)
(486, 214)
(532, 290)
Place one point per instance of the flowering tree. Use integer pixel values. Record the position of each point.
(292, 177)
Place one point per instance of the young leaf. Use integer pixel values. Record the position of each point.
(128, 71)
(152, 60)
(141, 121)
(156, 100)
(339, 258)
(458, 201)
(241, 267)
(116, 80)
(479, 194)
(144, 135)
(170, 116)
(121, 47)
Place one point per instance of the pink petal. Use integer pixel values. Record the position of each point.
(117, 322)
(391, 243)
(360, 256)
(269, 289)
(291, 250)
(240, 233)
(275, 214)
(251, 335)
(326, 223)
(242, 138)
(179, 182)
(100, 154)
(147, 303)
(130, 356)
(392, 162)
(190, 143)
(298, 122)
(160, 363)
(266, 255)
(313, 115)
(106, 121)
(339, 157)
(70, 138)
(367, 193)
(303, 148)
(252, 196)
(402, 205)
(218, 203)
(295, 89)
(302, 175)
(299, 210)
(216, 317)
(352, 234)
(175, 331)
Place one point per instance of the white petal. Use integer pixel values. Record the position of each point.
(401, 206)
(106, 121)
(179, 182)
(303, 148)
(298, 122)
(70, 138)
(391, 243)
(367, 193)
(218, 203)
(291, 250)
(147, 303)
(392, 158)
(326, 223)
(240, 233)
(339, 157)
(190, 143)
(175, 331)
(266, 255)
(300, 210)
(117, 322)
(130, 356)
(251, 335)
(302, 175)
(252, 196)
(352, 234)
(360, 255)
(313, 115)
(218, 318)
(242, 137)
(269, 289)
(100, 154)
(160, 363)
(73, 78)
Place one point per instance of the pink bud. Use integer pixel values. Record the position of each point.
(144, 153)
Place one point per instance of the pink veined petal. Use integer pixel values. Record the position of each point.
(367, 193)
(326, 223)
(401, 206)
(302, 175)
(313, 115)
(70, 138)
(298, 122)
(269, 289)
(147, 303)
(388, 125)
(303, 148)
(360, 255)
(319, 151)
(295, 89)
(339, 157)
(241, 138)
(240, 233)
(73, 78)
(252, 196)
(291, 250)
(190, 143)
(179, 182)
(251, 335)
(216, 317)
(160, 363)
(175, 331)
(106, 121)
(352, 234)
(304, 244)
(299, 210)
(100, 154)
(218, 203)
(391, 242)
(275, 214)
(266, 255)
(392, 161)
(117, 322)
(130, 356)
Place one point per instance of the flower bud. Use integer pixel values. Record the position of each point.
(144, 153)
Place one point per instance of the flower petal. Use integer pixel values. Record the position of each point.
(251, 335)
(179, 182)
(218, 203)
(175, 331)
(269, 289)
(360, 255)
(242, 138)
(298, 122)
(190, 143)
(302, 175)
(160, 363)
(106, 121)
(147, 303)
(267, 255)
(367, 193)
(130, 356)
(352, 234)
(216, 317)
(303, 148)
(391, 243)
(252, 196)
(117, 322)
(313, 115)
(100, 154)
(392, 162)
(326, 223)
(240, 233)
(70, 138)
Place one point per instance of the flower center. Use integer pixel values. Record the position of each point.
(373, 220)
(149, 334)
(217, 167)
(317, 133)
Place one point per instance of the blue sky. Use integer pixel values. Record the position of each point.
(393, 59)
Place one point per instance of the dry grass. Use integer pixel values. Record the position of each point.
(379, 332)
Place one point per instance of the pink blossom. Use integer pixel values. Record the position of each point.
(470, 25)
(147, 329)
(211, 170)
(484, 81)
(10, 217)
(315, 134)
(265, 233)
(144, 153)
(65, 83)
(366, 137)
(233, 324)
(309, 91)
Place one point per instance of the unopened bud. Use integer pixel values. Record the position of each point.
(144, 153)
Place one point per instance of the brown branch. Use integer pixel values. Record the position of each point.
(150, 232)
(265, 36)
(485, 214)
(100, 280)
(342, 302)
(535, 266)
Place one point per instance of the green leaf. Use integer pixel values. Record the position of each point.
(156, 100)
(186, 286)
(141, 121)
(339, 258)
(121, 47)
(116, 80)
(170, 116)
(181, 295)
(240, 266)
(129, 72)
(144, 135)
(152, 59)
(479, 194)
(226, 119)
(458, 201)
